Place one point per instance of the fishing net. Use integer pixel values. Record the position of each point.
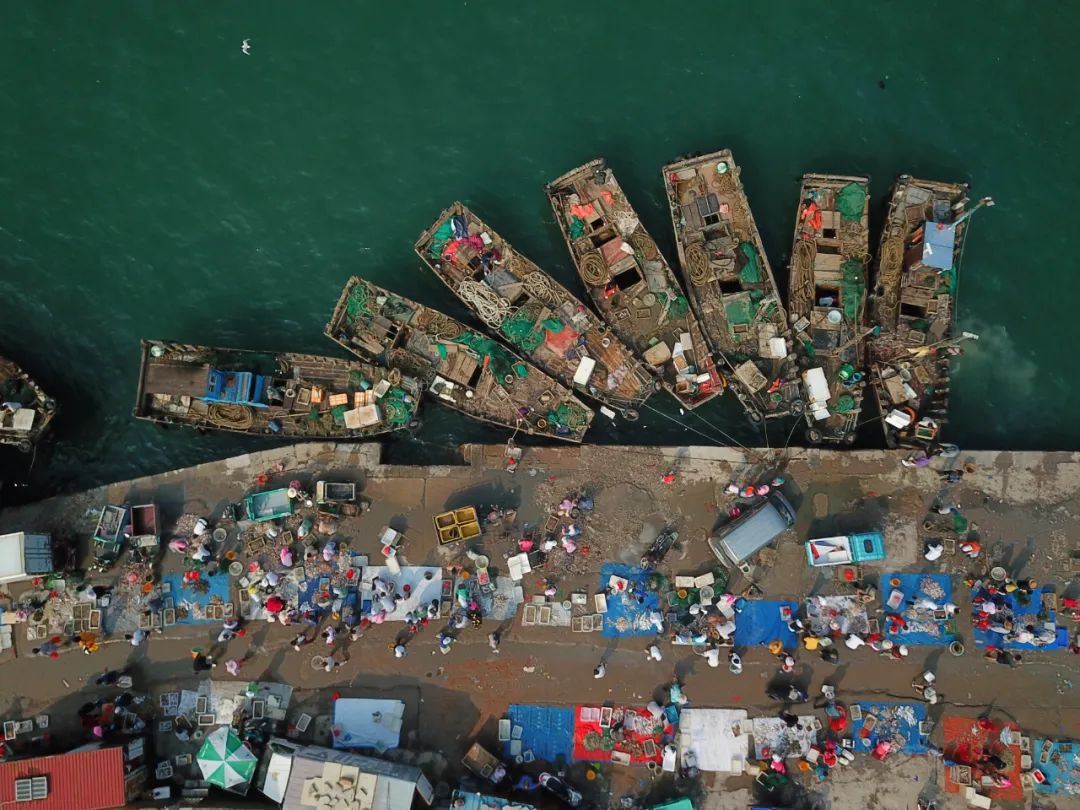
(577, 227)
(845, 403)
(569, 415)
(750, 273)
(395, 410)
(679, 307)
(850, 201)
(522, 330)
(851, 289)
(443, 234)
(357, 304)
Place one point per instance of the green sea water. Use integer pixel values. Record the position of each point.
(156, 181)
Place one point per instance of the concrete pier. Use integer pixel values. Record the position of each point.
(1025, 507)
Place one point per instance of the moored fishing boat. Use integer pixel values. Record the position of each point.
(827, 302)
(731, 284)
(275, 394)
(460, 367)
(914, 304)
(630, 283)
(527, 308)
(25, 409)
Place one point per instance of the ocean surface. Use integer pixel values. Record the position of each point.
(157, 182)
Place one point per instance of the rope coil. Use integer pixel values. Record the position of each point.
(491, 307)
(644, 244)
(539, 286)
(593, 269)
(697, 265)
(231, 416)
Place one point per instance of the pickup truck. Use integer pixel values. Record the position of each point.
(845, 549)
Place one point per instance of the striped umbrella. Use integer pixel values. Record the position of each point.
(224, 760)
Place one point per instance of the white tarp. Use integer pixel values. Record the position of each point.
(422, 591)
(12, 557)
(716, 740)
(365, 723)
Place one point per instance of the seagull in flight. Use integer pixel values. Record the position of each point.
(245, 46)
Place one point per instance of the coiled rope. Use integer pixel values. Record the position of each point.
(644, 244)
(540, 287)
(697, 265)
(231, 416)
(593, 269)
(491, 307)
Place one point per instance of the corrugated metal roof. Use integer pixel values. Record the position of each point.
(87, 780)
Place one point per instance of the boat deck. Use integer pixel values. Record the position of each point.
(827, 299)
(731, 283)
(462, 368)
(914, 304)
(306, 396)
(24, 426)
(631, 284)
(526, 307)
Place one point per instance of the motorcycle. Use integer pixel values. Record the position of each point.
(659, 548)
(559, 788)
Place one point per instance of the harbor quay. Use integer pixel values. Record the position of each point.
(596, 583)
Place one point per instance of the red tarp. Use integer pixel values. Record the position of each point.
(967, 740)
(637, 727)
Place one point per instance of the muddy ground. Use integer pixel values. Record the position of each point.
(1025, 506)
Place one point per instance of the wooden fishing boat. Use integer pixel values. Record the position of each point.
(460, 367)
(274, 394)
(830, 258)
(731, 285)
(25, 409)
(630, 283)
(527, 308)
(914, 303)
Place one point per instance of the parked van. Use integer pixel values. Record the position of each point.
(753, 531)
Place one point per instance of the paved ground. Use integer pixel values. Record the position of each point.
(1025, 505)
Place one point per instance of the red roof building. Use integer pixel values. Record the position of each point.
(81, 780)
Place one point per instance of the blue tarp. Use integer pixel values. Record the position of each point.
(893, 720)
(1021, 616)
(759, 622)
(626, 615)
(196, 602)
(480, 801)
(922, 627)
(547, 731)
(1062, 776)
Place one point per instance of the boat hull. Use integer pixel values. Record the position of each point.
(460, 368)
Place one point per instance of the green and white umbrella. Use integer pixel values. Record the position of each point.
(224, 760)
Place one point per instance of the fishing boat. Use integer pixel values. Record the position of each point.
(25, 409)
(630, 283)
(527, 308)
(731, 284)
(827, 301)
(914, 303)
(460, 367)
(287, 394)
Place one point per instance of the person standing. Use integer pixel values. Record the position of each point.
(233, 667)
(653, 653)
(493, 642)
(600, 671)
(228, 631)
(136, 638)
